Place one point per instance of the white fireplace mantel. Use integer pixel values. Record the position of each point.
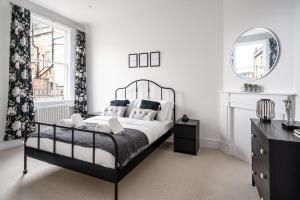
(236, 110)
(260, 93)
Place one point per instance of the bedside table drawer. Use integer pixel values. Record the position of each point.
(185, 132)
(185, 146)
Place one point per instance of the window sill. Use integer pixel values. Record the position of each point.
(51, 102)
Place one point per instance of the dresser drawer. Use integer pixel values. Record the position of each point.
(261, 155)
(256, 135)
(260, 158)
(263, 186)
(186, 132)
(260, 163)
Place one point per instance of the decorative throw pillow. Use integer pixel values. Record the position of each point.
(114, 111)
(152, 105)
(122, 103)
(134, 103)
(143, 114)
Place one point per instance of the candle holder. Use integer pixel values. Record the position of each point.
(265, 110)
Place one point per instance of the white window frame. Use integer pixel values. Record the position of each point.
(69, 61)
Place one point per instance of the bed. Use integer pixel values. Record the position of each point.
(102, 155)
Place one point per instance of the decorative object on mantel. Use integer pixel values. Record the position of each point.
(265, 110)
(251, 88)
(289, 124)
(185, 118)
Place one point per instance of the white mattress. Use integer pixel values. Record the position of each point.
(152, 129)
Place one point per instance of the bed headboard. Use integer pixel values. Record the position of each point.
(148, 86)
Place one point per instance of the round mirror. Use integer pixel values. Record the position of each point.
(255, 53)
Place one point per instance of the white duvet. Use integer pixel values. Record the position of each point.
(152, 129)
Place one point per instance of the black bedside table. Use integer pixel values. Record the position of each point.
(186, 136)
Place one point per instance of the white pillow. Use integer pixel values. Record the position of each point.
(134, 103)
(114, 111)
(165, 113)
(170, 111)
(143, 114)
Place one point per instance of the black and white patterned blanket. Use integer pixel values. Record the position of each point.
(130, 141)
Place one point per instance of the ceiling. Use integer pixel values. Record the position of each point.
(90, 11)
(77, 10)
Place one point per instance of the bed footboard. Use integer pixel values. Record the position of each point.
(71, 163)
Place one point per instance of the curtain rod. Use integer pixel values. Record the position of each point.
(55, 17)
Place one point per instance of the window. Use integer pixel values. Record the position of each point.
(49, 60)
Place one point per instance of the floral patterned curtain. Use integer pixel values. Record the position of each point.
(20, 99)
(80, 75)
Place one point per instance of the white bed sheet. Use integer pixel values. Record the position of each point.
(152, 129)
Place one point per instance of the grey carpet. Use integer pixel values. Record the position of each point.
(164, 175)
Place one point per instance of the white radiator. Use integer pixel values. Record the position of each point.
(52, 114)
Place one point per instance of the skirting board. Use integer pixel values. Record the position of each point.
(10, 144)
(225, 148)
(209, 143)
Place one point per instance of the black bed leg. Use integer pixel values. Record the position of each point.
(25, 164)
(253, 182)
(116, 191)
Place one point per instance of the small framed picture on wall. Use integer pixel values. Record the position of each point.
(133, 60)
(155, 59)
(143, 59)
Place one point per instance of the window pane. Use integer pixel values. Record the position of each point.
(41, 41)
(59, 46)
(50, 82)
(47, 43)
(48, 60)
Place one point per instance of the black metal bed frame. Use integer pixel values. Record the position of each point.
(113, 175)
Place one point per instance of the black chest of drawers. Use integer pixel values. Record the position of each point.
(275, 161)
(186, 136)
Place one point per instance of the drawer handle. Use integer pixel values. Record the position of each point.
(263, 176)
(252, 154)
(252, 135)
(253, 172)
(262, 151)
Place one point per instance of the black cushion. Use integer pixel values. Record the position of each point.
(119, 102)
(153, 105)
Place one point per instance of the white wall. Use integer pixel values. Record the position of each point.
(4, 56)
(189, 36)
(283, 18)
(276, 15)
(297, 60)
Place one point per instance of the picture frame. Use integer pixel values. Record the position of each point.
(143, 60)
(155, 59)
(133, 60)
